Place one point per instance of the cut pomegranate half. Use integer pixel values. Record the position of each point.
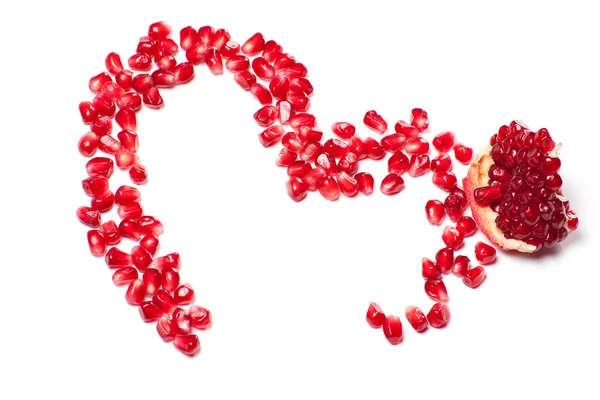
(513, 189)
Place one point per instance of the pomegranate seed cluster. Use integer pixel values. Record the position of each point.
(314, 164)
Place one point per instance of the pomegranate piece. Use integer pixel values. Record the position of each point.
(138, 174)
(329, 188)
(103, 105)
(297, 70)
(452, 238)
(159, 30)
(444, 180)
(439, 315)
(296, 188)
(237, 63)
(292, 142)
(392, 329)
(205, 35)
(466, 226)
(132, 210)
(261, 94)
(419, 119)
(96, 82)
(344, 130)
(95, 185)
(263, 69)
(109, 144)
(443, 142)
(430, 270)
(444, 258)
(309, 133)
(187, 344)
(165, 329)
(441, 163)
(129, 229)
(142, 82)
(271, 135)
(184, 294)
(200, 317)
(418, 165)
(126, 159)
(373, 149)
(136, 291)
(183, 72)
(140, 258)
(301, 85)
(434, 211)
(298, 169)
(347, 184)
(392, 184)
(96, 243)
(171, 261)
(129, 140)
(124, 276)
(284, 61)
(126, 119)
(169, 279)
(462, 153)
(336, 148)
(101, 126)
(116, 258)
(111, 232)
(460, 266)
(180, 321)
(254, 45)
(112, 91)
(149, 243)
(357, 146)
(455, 204)
(271, 51)
(300, 119)
(285, 111)
(375, 315)
(163, 79)
(286, 158)
(436, 290)
(394, 142)
(197, 55)
(164, 301)
(103, 202)
(220, 38)
(417, 145)
(152, 98)
(124, 79)
(149, 312)
(406, 129)
(140, 62)
(279, 86)
(188, 38)
(398, 163)
(127, 195)
(88, 112)
(214, 61)
(485, 253)
(266, 116)
(416, 318)
(311, 151)
(348, 164)
(313, 178)
(88, 216)
(152, 279)
(484, 196)
(474, 277)
(375, 122)
(148, 225)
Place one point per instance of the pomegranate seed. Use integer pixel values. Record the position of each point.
(550, 165)
(436, 290)
(200, 317)
(299, 101)
(103, 105)
(214, 61)
(434, 210)
(474, 277)
(129, 229)
(313, 178)
(88, 216)
(163, 79)
(124, 276)
(187, 344)
(443, 142)
(285, 111)
(205, 35)
(444, 258)
(164, 301)
(111, 232)
(109, 145)
(375, 122)
(126, 159)
(460, 266)
(95, 185)
(329, 188)
(392, 329)
(444, 180)
(441, 163)
(101, 126)
(298, 169)
(484, 196)
(263, 69)
(466, 226)
(392, 184)
(366, 183)
(271, 51)
(439, 315)
(311, 151)
(103, 202)
(375, 315)
(374, 150)
(138, 174)
(184, 294)
(183, 72)
(406, 129)
(301, 85)
(336, 148)
(347, 184)
(463, 154)
(197, 54)
(136, 291)
(140, 62)
(126, 119)
(266, 116)
(394, 142)
(279, 86)
(286, 158)
(142, 82)
(180, 322)
(430, 270)
(129, 140)
(419, 119)
(452, 238)
(231, 49)
(96, 82)
(88, 112)
(171, 261)
(284, 61)
(307, 133)
(485, 253)
(159, 30)
(261, 94)
(148, 225)
(455, 204)
(152, 98)
(219, 39)
(348, 164)
(116, 258)
(152, 278)
(165, 329)
(124, 79)
(149, 243)
(417, 145)
(416, 318)
(297, 70)
(300, 119)
(188, 37)
(149, 312)
(419, 165)
(254, 45)
(237, 64)
(140, 258)
(398, 163)
(296, 188)
(357, 146)
(96, 243)
(343, 129)
(112, 91)
(271, 135)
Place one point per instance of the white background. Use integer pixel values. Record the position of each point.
(289, 283)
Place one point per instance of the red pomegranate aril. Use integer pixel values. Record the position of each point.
(142, 82)
(164, 48)
(550, 165)
(184, 294)
(297, 70)
(152, 98)
(129, 229)
(460, 266)
(96, 82)
(266, 116)
(301, 85)
(205, 35)
(116, 258)
(474, 277)
(100, 166)
(188, 38)
(140, 258)
(348, 164)
(180, 321)
(197, 54)
(245, 79)
(292, 142)
(444, 258)
(220, 37)
(126, 119)
(103, 105)
(311, 151)
(484, 196)
(296, 188)
(164, 301)
(434, 211)
(187, 344)
(88, 216)
(263, 69)
(214, 61)
(394, 142)
(466, 226)
(392, 184)
(336, 148)
(430, 270)
(485, 253)
(152, 279)
(163, 79)
(130, 102)
(159, 30)
(455, 204)
(439, 315)
(96, 243)
(419, 119)
(95, 185)
(417, 145)
(284, 61)
(436, 290)
(112, 91)
(443, 142)
(124, 276)
(149, 312)
(140, 62)
(231, 49)
(398, 163)
(103, 202)
(462, 153)
(300, 119)
(101, 126)
(254, 45)
(373, 149)
(200, 317)
(261, 94)
(308, 133)
(164, 328)
(146, 46)
(109, 145)
(183, 72)
(347, 184)
(357, 146)
(136, 291)
(452, 237)
(406, 129)
(392, 329)
(344, 130)
(444, 180)
(124, 79)
(111, 232)
(149, 243)
(271, 51)
(279, 86)
(416, 318)
(285, 158)
(441, 163)
(329, 188)
(237, 63)
(418, 165)
(88, 112)
(148, 225)
(271, 135)
(299, 101)
(327, 162)
(138, 174)
(375, 122)
(129, 140)
(375, 315)
(313, 178)
(126, 159)
(285, 110)
(366, 183)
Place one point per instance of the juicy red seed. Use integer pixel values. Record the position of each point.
(142, 82)
(398, 163)
(88, 216)
(187, 344)
(417, 145)
(344, 130)
(452, 238)
(327, 162)
(347, 184)
(406, 129)
(466, 226)
(96, 82)
(261, 94)
(184, 294)
(181, 322)
(169, 279)
(336, 148)
(419, 165)
(296, 188)
(152, 98)
(237, 64)
(169, 261)
(301, 85)
(197, 54)
(104, 106)
(159, 30)
(254, 45)
(263, 69)
(148, 225)
(271, 135)
(88, 112)
(205, 34)
(188, 37)
(439, 315)
(138, 174)
(474, 277)
(393, 142)
(164, 301)
(149, 243)
(444, 180)
(463, 154)
(103, 202)
(183, 72)
(152, 278)
(375, 122)
(109, 145)
(284, 61)
(357, 146)
(124, 79)
(149, 312)
(101, 126)
(436, 290)
(245, 79)
(297, 70)
(375, 315)
(95, 185)
(430, 270)
(329, 188)
(484, 253)
(126, 159)
(200, 317)
(124, 276)
(231, 49)
(444, 258)
(373, 149)
(129, 229)
(300, 119)
(271, 51)
(285, 158)
(129, 140)
(126, 119)
(460, 266)
(392, 329)
(416, 318)
(219, 39)
(484, 196)
(313, 178)
(111, 232)
(140, 258)
(285, 111)
(165, 329)
(163, 79)
(550, 165)
(441, 163)
(214, 61)
(455, 204)
(392, 184)
(311, 151)
(266, 116)
(140, 62)
(96, 243)
(419, 119)
(307, 133)
(136, 291)
(279, 86)
(116, 258)
(112, 91)
(443, 142)
(298, 100)
(348, 164)
(434, 211)
(292, 142)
